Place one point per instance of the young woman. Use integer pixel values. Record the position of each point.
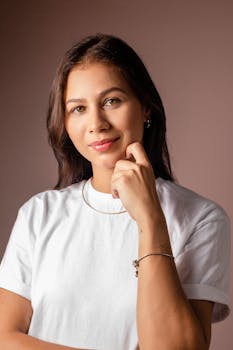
(67, 279)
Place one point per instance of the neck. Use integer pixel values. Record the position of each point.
(101, 180)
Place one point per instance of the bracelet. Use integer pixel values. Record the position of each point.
(136, 262)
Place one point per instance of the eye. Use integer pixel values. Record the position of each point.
(112, 101)
(78, 109)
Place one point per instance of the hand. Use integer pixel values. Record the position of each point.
(133, 181)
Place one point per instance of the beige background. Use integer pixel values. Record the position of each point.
(187, 47)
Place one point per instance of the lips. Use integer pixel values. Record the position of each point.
(102, 142)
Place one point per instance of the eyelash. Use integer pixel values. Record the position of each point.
(115, 100)
(75, 109)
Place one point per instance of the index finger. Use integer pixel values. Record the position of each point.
(137, 150)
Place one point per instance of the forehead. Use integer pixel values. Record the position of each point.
(91, 78)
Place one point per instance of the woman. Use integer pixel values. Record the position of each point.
(67, 276)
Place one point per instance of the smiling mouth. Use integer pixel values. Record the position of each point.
(103, 145)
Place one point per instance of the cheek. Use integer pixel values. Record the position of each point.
(73, 130)
(76, 134)
(134, 123)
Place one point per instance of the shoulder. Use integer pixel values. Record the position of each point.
(50, 202)
(52, 195)
(187, 210)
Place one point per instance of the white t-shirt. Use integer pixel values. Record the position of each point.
(75, 264)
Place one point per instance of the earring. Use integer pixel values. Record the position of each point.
(147, 123)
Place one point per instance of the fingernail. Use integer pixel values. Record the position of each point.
(115, 194)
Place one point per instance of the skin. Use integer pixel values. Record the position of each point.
(98, 115)
(125, 171)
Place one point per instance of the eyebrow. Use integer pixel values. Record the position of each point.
(101, 94)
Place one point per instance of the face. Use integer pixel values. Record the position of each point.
(102, 114)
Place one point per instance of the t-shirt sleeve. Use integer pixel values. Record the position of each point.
(204, 264)
(16, 265)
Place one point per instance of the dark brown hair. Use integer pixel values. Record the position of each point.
(72, 166)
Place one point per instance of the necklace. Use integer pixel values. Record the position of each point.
(99, 211)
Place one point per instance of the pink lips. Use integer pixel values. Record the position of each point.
(101, 142)
(103, 145)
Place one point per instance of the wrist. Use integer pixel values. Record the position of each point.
(154, 237)
(152, 223)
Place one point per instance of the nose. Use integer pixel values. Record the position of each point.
(97, 120)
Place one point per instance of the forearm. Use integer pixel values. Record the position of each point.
(165, 318)
(21, 341)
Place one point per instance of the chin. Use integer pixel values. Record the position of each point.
(109, 161)
(109, 164)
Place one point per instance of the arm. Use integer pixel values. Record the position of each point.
(15, 317)
(165, 318)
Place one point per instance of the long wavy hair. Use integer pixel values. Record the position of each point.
(72, 166)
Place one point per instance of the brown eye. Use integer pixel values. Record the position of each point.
(111, 101)
(78, 109)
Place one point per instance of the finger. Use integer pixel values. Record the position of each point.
(114, 184)
(115, 194)
(124, 165)
(115, 178)
(137, 151)
(131, 158)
